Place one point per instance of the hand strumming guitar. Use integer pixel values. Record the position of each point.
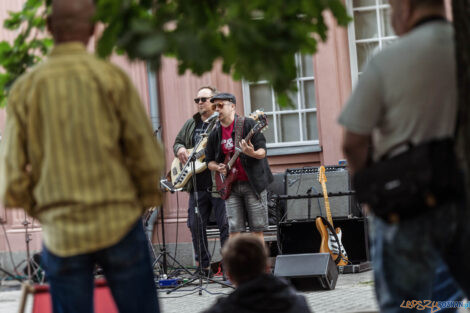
(218, 167)
(183, 155)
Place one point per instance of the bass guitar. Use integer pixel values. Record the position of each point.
(181, 173)
(328, 241)
(224, 182)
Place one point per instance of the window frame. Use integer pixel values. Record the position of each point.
(283, 148)
(355, 71)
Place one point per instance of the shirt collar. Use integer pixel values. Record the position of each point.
(68, 48)
(428, 19)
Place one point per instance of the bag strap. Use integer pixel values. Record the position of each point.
(239, 122)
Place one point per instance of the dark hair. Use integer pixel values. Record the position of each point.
(426, 3)
(245, 257)
(213, 90)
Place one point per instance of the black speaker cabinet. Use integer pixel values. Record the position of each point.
(299, 181)
(303, 237)
(276, 210)
(308, 271)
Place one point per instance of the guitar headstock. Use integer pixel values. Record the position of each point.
(261, 119)
(321, 175)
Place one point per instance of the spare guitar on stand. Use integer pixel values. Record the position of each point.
(330, 237)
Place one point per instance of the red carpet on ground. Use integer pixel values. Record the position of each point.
(103, 301)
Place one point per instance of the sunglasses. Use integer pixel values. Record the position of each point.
(218, 105)
(202, 99)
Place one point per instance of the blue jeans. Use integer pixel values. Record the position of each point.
(445, 288)
(406, 257)
(127, 269)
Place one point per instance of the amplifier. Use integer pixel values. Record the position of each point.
(303, 237)
(303, 180)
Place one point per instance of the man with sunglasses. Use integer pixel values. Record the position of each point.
(248, 197)
(208, 199)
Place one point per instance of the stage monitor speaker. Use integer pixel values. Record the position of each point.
(308, 271)
(299, 181)
(303, 237)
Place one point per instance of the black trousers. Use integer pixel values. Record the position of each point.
(206, 204)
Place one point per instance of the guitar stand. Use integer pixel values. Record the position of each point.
(197, 276)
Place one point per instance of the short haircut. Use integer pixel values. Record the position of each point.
(245, 257)
(213, 90)
(426, 3)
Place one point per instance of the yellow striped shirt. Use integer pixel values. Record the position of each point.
(78, 152)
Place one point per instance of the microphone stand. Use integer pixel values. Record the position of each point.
(164, 254)
(198, 275)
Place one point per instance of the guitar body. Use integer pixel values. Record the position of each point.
(328, 243)
(224, 183)
(181, 173)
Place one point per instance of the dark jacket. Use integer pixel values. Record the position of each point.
(266, 294)
(258, 171)
(185, 139)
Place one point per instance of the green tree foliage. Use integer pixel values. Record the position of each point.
(27, 48)
(254, 39)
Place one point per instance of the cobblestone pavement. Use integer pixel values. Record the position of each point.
(353, 293)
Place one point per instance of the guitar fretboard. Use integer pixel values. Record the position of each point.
(322, 179)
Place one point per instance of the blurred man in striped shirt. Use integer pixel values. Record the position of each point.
(78, 154)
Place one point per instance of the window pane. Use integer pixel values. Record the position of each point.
(364, 52)
(288, 127)
(365, 23)
(295, 101)
(307, 65)
(261, 97)
(363, 3)
(384, 1)
(310, 127)
(309, 94)
(386, 23)
(269, 130)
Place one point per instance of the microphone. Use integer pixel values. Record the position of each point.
(212, 117)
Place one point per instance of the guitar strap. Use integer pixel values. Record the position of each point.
(239, 122)
(330, 227)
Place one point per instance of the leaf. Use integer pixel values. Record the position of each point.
(151, 45)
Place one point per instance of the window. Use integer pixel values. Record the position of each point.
(370, 32)
(287, 127)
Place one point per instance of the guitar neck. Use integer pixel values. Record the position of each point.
(237, 151)
(327, 203)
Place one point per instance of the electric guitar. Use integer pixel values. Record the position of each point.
(328, 242)
(181, 173)
(224, 182)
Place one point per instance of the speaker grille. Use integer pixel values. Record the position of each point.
(300, 181)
